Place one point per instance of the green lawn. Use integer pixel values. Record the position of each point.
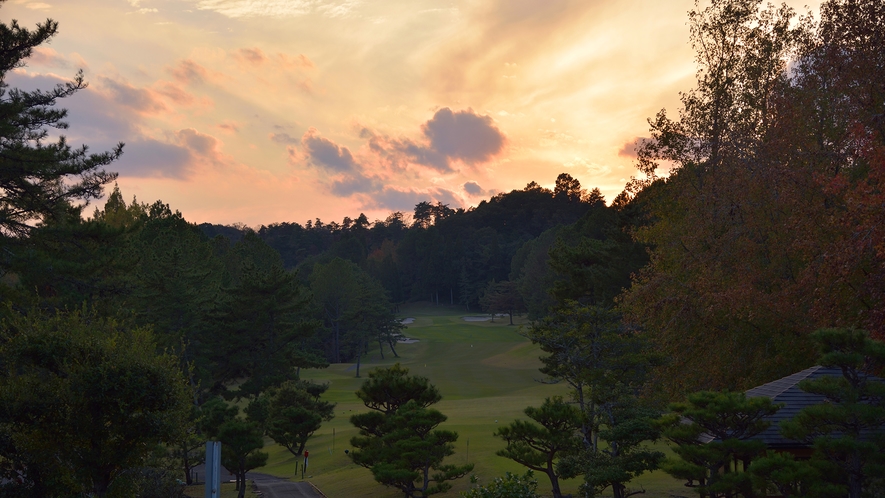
(487, 374)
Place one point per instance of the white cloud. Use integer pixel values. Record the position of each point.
(258, 8)
(343, 9)
(279, 8)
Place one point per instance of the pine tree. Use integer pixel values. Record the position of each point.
(399, 440)
(39, 180)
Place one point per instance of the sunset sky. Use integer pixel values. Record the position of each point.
(263, 111)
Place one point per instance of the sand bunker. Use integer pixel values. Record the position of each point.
(406, 321)
(406, 340)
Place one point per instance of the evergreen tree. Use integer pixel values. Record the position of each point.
(846, 430)
(542, 445)
(240, 442)
(399, 440)
(607, 365)
(266, 320)
(336, 291)
(176, 282)
(291, 413)
(713, 434)
(39, 181)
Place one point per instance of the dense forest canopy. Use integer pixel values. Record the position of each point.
(440, 254)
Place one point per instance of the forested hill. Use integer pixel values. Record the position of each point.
(437, 252)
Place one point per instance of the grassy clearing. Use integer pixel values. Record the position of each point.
(487, 374)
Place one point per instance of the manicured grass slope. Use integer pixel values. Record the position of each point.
(487, 374)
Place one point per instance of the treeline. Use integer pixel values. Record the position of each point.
(450, 256)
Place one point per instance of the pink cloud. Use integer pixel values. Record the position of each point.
(352, 178)
(448, 138)
(229, 126)
(300, 61)
(180, 156)
(306, 84)
(188, 72)
(294, 156)
(251, 56)
(326, 154)
(464, 135)
(47, 56)
(150, 158)
(629, 148)
(473, 189)
(175, 93)
(283, 138)
(200, 143)
(142, 100)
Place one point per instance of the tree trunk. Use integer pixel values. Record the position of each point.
(554, 481)
(855, 482)
(241, 485)
(359, 355)
(187, 465)
(337, 331)
(101, 482)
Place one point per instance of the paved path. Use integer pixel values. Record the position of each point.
(274, 487)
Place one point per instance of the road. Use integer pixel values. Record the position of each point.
(274, 487)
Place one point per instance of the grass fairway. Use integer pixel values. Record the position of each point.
(487, 374)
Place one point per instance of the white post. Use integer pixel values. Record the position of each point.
(213, 469)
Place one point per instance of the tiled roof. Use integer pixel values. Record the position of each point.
(786, 391)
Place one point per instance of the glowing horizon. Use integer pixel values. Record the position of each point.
(263, 111)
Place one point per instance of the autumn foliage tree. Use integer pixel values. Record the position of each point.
(766, 227)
